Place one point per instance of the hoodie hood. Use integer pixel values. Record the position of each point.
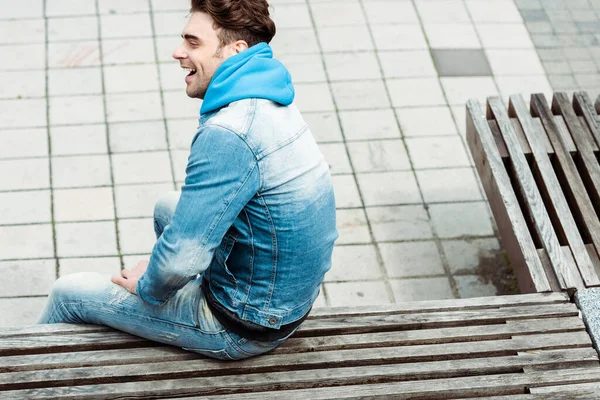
(253, 73)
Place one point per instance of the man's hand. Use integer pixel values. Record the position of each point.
(129, 277)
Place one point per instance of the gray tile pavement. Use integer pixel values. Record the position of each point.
(95, 126)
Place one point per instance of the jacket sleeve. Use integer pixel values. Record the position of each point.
(221, 177)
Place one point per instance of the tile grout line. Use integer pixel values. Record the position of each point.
(52, 216)
(161, 92)
(107, 132)
(378, 255)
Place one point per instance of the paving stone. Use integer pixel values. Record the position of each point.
(337, 157)
(587, 301)
(354, 263)
(411, 259)
(169, 23)
(27, 277)
(19, 84)
(583, 67)
(551, 55)
(130, 78)
(346, 191)
(526, 5)
(76, 110)
(179, 159)
(346, 38)
(498, 36)
(20, 312)
(545, 40)
(445, 185)
(165, 46)
(133, 50)
(133, 107)
(360, 95)
(170, 5)
(24, 9)
(22, 31)
(438, 152)
(557, 67)
(291, 15)
(348, 294)
(80, 7)
(419, 289)
(136, 235)
(565, 27)
(406, 64)
(453, 220)
(125, 25)
(74, 54)
(369, 124)
(101, 265)
(313, 97)
(388, 188)
(525, 85)
(72, 28)
(460, 89)
(352, 66)
(26, 241)
(331, 14)
(415, 92)
(119, 6)
(586, 80)
(148, 167)
(86, 204)
(139, 200)
(493, 11)
(352, 227)
(468, 256)
(132, 260)
(179, 105)
(583, 15)
(295, 41)
(398, 37)
(461, 62)
(25, 207)
(80, 171)
(378, 156)
(22, 56)
(24, 174)
(515, 62)
(442, 11)
(22, 113)
(74, 81)
(324, 126)
(535, 27)
(321, 300)
(32, 142)
(561, 82)
(399, 223)
(386, 12)
(86, 239)
(452, 36)
(181, 132)
(78, 139)
(137, 136)
(577, 53)
(588, 26)
(305, 67)
(426, 121)
(474, 286)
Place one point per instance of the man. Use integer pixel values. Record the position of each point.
(242, 250)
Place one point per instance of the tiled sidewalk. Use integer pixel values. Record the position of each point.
(95, 125)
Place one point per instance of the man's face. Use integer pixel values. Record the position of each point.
(200, 54)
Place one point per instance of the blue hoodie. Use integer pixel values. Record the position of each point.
(253, 73)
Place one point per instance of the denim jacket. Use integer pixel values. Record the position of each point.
(256, 216)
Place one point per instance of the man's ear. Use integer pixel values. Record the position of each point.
(240, 46)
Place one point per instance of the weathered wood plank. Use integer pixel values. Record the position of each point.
(571, 182)
(586, 130)
(564, 134)
(555, 199)
(582, 104)
(51, 330)
(592, 389)
(332, 376)
(509, 218)
(444, 388)
(532, 197)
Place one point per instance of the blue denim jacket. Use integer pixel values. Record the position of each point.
(256, 216)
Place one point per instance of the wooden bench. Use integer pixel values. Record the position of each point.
(540, 171)
(531, 346)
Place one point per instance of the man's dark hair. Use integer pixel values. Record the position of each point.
(247, 20)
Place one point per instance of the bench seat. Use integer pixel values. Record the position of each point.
(516, 347)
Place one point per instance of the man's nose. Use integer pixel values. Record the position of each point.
(179, 53)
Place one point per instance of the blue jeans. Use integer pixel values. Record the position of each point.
(184, 321)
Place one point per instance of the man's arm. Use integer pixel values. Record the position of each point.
(221, 177)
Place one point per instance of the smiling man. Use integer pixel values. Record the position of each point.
(242, 250)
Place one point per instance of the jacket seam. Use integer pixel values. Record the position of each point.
(282, 144)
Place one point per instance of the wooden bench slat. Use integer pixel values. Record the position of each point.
(444, 388)
(533, 198)
(503, 200)
(592, 388)
(555, 198)
(347, 375)
(582, 104)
